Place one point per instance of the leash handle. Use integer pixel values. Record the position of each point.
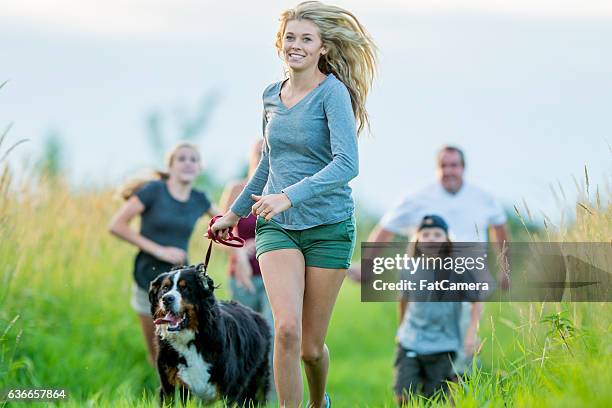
(232, 241)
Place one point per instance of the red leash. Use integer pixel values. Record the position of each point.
(232, 241)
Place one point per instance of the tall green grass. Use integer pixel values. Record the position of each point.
(65, 319)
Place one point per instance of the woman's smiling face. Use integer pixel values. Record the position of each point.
(302, 45)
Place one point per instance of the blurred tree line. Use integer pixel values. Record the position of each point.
(186, 126)
(162, 132)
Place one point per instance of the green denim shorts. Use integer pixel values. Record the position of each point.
(324, 246)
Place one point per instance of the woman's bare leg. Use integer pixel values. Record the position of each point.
(321, 290)
(148, 330)
(283, 273)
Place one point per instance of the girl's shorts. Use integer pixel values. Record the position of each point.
(324, 246)
(140, 300)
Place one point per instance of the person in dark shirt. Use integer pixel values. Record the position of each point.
(169, 208)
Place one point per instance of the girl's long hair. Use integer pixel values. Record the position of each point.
(351, 53)
(131, 186)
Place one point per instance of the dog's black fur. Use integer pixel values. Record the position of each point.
(219, 350)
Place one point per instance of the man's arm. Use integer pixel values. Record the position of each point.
(395, 222)
(378, 234)
(499, 235)
(500, 238)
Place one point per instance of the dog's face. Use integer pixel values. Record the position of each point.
(177, 298)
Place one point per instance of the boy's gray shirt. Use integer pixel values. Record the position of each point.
(430, 327)
(309, 153)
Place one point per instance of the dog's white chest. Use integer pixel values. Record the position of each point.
(196, 375)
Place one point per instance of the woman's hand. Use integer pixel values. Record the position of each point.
(269, 205)
(222, 227)
(172, 255)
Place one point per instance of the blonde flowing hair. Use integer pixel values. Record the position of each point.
(351, 53)
(130, 187)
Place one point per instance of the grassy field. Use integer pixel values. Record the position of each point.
(65, 319)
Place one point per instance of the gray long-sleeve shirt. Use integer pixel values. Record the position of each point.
(309, 153)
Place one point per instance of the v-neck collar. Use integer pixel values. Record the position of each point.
(308, 95)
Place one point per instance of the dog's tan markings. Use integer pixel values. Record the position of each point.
(218, 388)
(158, 313)
(172, 375)
(182, 284)
(193, 317)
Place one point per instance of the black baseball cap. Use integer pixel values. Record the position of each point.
(433, 221)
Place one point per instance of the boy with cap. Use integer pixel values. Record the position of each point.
(429, 334)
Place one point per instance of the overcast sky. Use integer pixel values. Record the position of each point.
(525, 87)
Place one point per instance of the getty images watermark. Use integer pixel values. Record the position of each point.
(475, 271)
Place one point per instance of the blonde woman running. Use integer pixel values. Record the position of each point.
(305, 230)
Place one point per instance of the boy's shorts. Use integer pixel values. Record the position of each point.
(423, 374)
(324, 246)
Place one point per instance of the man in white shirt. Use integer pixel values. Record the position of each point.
(472, 215)
(469, 211)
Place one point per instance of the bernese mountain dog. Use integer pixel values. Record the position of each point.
(215, 350)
